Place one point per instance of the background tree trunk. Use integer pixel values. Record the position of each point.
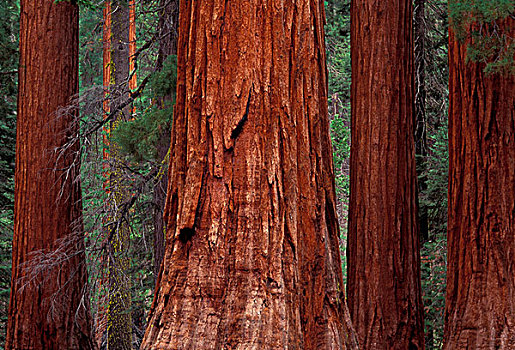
(384, 292)
(119, 321)
(101, 315)
(252, 256)
(49, 306)
(480, 300)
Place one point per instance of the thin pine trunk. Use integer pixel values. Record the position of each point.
(116, 69)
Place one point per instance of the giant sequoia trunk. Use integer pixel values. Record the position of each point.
(252, 259)
(480, 301)
(384, 292)
(49, 309)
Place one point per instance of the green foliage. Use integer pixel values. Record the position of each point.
(340, 136)
(434, 251)
(337, 37)
(8, 90)
(338, 49)
(90, 47)
(434, 274)
(137, 140)
(433, 172)
(90, 4)
(163, 82)
(480, 21)
(138, 137)
(466, 12)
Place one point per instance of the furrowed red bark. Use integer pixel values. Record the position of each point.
(480, 300)
(252, 258)
(50, 309)
(384, 291)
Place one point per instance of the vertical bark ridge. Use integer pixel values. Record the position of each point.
(251, 182)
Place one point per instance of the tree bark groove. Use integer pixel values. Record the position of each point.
(252, 258)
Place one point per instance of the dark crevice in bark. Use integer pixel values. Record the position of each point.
(186, 234)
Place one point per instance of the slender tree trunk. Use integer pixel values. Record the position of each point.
(252, 258)
(101, 315)
(168, 32)
(480, 300)
(49, 305)
(133, 81)
(384, 292)
(119, 320)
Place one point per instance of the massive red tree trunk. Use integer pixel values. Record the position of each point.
(252, 259)
(50, 309)
(384, 292)
(480, 300)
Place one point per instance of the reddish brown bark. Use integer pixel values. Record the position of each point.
(50, 311)
(480, 300)
(384, 292)
(252, 258)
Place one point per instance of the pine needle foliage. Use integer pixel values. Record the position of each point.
(138, 137)
(8, 90)
(479, 21)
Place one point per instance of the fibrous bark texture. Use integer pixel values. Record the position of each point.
(384, 292)
(480, 300)
(49, 306)
(252, 258)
